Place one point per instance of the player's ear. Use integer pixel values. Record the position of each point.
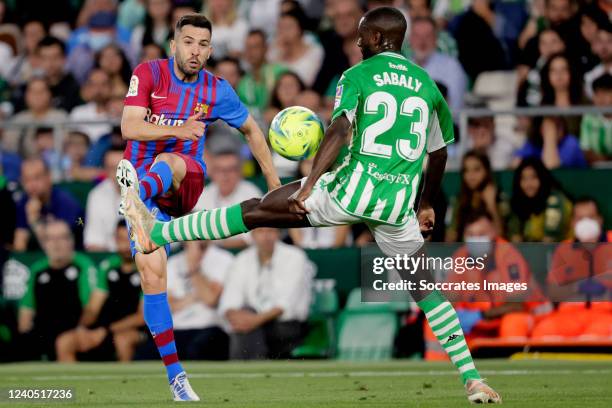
(172, 46)
(210, 51)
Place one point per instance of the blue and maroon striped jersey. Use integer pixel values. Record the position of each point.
(170, 101)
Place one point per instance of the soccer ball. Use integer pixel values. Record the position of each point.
(295, 133)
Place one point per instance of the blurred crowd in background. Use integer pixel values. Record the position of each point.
(68, 61)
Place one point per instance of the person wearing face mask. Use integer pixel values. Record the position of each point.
(488, 313)
(85, 42)
(580, 277)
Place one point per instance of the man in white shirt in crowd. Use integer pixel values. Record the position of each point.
(196, 278)
(441, 67)
(227, 188)
(102, 203)
(267, 297)
(98, 92)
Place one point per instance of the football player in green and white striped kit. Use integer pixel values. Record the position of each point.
(397, 116)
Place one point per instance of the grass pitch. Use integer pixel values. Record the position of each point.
(300, 384)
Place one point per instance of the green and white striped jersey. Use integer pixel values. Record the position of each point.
(596, 134)
(397, 114)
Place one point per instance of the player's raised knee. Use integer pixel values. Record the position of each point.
(170, 158)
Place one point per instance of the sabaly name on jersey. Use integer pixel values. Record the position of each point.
(393, 78)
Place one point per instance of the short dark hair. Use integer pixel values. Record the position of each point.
(477, 215)
(299, 16)
(50, 41)
(259, 32)
(42, 130)
(587, 200)
(231, 60)
(603, 83)
(196, 20)
(425, 19)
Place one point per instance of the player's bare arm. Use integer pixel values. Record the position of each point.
(92, 310)
(257, 142)
(135, 127)
(329, 150)
(431, 188)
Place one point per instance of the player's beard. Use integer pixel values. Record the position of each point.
(188, 71)
(366, 52)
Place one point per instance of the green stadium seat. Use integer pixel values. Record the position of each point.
(320, 341)
(366, 335)
(395, 303)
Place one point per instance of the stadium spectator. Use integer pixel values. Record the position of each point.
(336, 41)
(550, 141)
(324, 237)
(156, 28)
(478, 25)
(228, 68)
(44, 147)
(58, 288)
(591, 18)
(477, 193)
(26, 64)
(152, 52)
(113, 140)
(596, 129)
(64, 88)
(196, 278)
(294, 50)
(10, 163)
(99, 91)
(109, 326)
(101, 211)
(230, 29)
(529, 80)
(39, 111)
(91, 7)
(74, 165)
(263, 15)
(257, 83)
(561, 15)
(540, 211)
(441, 67)
(181, 8)
(602, 47)
(85, 42)
(227, 187)
(445, 43)
(482, 138)
(112, 60)
(130, 14)
(286, 90)
(579, 279)
(494, 313)
(40, 202)
(562, 87)
(7, 206)
(266, 298)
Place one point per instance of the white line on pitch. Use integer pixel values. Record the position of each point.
(315, 374)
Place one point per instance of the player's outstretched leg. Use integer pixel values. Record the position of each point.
(444, 323)
(219, 223)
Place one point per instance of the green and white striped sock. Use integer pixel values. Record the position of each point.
(218, 223)
(444, 322)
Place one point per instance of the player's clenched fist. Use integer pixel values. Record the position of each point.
(192, 129)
